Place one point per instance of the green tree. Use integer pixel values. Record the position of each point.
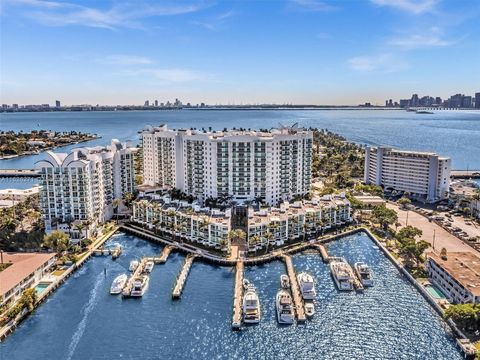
(57, 241)
(404, 201)
(408, 233)
(466, 316)
(385, 216)
(412, 251)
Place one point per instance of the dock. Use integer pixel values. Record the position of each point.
(323, 253)
(162, 259)
(128, 287)
(238, 296)
(182, 276)
(296, 295)
(19, 173)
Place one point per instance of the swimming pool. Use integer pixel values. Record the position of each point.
(435, 292)
(40, 287)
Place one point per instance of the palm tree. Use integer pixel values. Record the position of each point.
(116, 204)
(269, 236)
(80, 227)
(254, 240)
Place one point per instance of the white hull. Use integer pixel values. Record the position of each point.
(284, 316)
(118, 284)
(344, 282)
(365, 281)
(251, 304)
(307, 287)
(141, 292)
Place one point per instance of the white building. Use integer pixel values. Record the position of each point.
(81, 185)
(457, 276)
(422, 174)
(271, 166)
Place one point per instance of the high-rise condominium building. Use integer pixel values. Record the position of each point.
(270, 165)
(82, 185)
(422, 174)
(477, 100)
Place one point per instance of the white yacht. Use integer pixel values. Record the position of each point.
(140, 285)
(307, 286)
(118, 284)
(251, 305)
(284, 281)
(149, 267)
(364, 273)
(284, 305)
(133, 265)
(309, 308)
(342, 274)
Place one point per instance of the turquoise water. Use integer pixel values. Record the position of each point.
(435, 292)
(40, 287)
(83, 321)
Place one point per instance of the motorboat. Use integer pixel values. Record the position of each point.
(251, 304)
(284, 281)
(342, 274)
(309, 308)
(284, 305)
(118, 284)
(307, 286)
(364, 273)
(149, 267)
(133, 265)
(140, 285)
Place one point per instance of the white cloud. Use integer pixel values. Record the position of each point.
(412, 6)
(432, 37)
(312, 5)
(382, 62)
(215, 22)
(125, 60)
(126, 14)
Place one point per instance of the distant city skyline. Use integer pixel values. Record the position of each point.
(277, 52)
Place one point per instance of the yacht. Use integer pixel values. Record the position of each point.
(118, 284)
(285, 281)
(140, 285)
(342, 274)
(364, 273)
(284, 307)
(133, 265)
(149, 267)
(309, 308)
(307, 286)
(251, 305)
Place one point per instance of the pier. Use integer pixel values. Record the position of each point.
(297, 297)
(128, 287)
(323, 253)
(24, 173)
(182, 276)
(162, 259)
(238, 296)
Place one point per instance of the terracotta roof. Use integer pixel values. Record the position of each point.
(23, 264)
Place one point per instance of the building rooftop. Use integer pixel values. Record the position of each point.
(464, 267)
(22, 265)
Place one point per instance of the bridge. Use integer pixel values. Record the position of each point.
(23, 173)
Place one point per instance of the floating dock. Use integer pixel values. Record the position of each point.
(182, 276)
(297, 297)
(323, 253)
(238, 296)
(162, 259)
(128, 287)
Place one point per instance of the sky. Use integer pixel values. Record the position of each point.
(237, 52)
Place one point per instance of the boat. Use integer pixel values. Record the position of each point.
(342, 274)
(140, 285)
(364, 273)
(309, 308)
(423, 112)
(307, 286)
(285, 281)
(117, 252)
(149, 267)
(284, 307)
(118, 284)
(133, 265)
(251, 305)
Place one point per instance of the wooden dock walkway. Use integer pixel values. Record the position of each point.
(238, 296)
(297, 297)
(323, 253)
(128, 287)
(162, 259)
(182, 276)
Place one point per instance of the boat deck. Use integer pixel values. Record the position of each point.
(238, 295)
(182, 276)
(296, 295)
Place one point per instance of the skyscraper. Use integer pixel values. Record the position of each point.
(477, 100)
(57, 103)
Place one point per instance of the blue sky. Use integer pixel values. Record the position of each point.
(292, 51)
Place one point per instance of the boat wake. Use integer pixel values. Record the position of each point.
(86, 311)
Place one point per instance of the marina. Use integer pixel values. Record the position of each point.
(295, 290)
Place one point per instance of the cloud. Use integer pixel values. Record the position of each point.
(382, 62)
(412, 6)
(125, 60)
(432, 37)
(121, 14)
(311, 5)
(215, 22)
(171, 75)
